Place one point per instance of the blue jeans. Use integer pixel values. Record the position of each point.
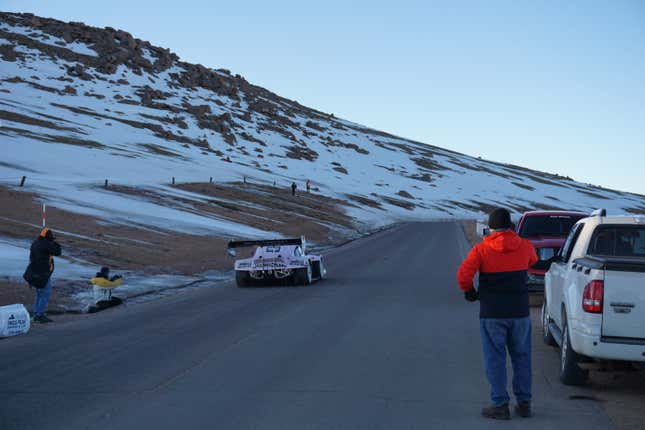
(42, 298)
(498, 336)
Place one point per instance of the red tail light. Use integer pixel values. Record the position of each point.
(592, 297)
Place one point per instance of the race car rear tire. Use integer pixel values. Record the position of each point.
(303, 276)
(318, 269)
(242, 279)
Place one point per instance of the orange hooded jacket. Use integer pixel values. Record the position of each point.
(502, 260)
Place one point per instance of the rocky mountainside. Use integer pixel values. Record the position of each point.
(80, 105)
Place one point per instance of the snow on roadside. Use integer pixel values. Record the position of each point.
(138, 287)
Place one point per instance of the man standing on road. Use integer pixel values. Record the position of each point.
(502, 260)
(41, 267)
(293, 188)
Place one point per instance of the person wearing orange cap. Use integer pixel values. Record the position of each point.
(40, 269)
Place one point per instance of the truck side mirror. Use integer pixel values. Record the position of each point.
(231, 252)
(557, 258)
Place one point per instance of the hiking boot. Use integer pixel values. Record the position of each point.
(497, 412)
(523, 409)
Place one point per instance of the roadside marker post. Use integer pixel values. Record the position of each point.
(44, 214)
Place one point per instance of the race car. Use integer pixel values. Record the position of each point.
(277, 260)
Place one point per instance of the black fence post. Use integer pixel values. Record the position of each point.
(173, 180)
(211, 180)
(22, 180)
(106, 183)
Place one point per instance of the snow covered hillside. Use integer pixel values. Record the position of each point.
(80, 105)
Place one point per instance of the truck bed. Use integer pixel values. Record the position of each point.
(619, 264)
(623, 310)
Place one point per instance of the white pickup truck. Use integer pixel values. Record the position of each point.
(594, 298)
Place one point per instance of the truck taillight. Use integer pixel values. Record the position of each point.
(592, 297)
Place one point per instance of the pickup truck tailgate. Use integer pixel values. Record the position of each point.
(624, 304)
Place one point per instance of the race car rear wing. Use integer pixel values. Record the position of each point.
(270, 242)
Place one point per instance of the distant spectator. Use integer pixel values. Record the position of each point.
(40, 270)
(293, 188)
(308, 185)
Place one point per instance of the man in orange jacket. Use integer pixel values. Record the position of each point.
(502, 260)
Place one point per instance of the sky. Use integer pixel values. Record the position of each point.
(557, 86)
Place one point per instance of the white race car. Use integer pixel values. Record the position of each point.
(277, 260)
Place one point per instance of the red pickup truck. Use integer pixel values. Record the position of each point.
(547, 230)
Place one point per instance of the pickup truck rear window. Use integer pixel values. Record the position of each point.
(548, 225)
(618, 241)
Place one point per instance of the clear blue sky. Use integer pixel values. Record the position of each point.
(553, 85)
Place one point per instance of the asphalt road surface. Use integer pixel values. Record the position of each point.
(386, 342)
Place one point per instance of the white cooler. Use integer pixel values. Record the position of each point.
(14, 320)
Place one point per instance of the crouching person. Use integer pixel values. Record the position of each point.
(103, 284)
(40, 270)
(502, 260)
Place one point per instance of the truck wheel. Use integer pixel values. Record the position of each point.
(242, 279)
(570, 372)
(547, 337)
(303, 276)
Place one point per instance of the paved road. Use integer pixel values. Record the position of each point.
(385, 343)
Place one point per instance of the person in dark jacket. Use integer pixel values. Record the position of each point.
(293, 188)
(502, 260)
(41, 262)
